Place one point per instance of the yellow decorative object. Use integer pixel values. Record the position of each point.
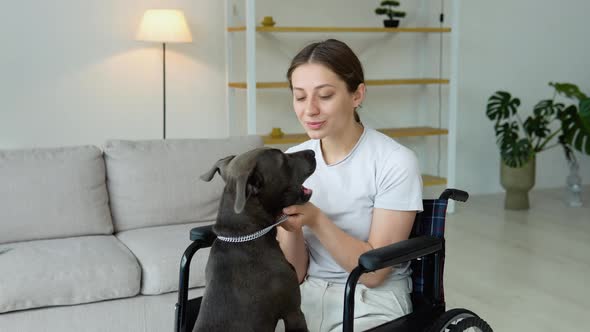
(276, 133)
(267, 21)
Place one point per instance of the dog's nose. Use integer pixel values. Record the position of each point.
(310, 154)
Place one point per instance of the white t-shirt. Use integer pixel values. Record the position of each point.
(377, 173)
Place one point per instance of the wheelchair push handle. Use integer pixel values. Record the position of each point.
(202, 237)
(204, 234)
(454, 194)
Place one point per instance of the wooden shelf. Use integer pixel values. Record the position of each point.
(391, 132)
(260, 85)
(400, 81)
(413, 131)
(431, 180)
(408, 81)
(339, 29)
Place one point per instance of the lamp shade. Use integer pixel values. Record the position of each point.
(165, 26)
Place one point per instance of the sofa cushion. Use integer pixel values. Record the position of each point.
(66, 271)
(51, 193)
(159, 250)
(156, 183)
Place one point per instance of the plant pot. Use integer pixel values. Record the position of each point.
(517, 182)
(391, 23)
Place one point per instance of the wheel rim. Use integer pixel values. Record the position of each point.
(457, 319)
(473, 329)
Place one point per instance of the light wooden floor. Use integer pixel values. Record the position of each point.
(521, 270)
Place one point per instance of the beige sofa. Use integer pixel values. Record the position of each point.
(91, 239)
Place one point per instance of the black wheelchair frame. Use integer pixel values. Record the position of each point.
(425, 249)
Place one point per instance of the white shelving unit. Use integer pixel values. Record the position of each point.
(251, 85)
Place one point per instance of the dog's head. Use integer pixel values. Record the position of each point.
(274, 177)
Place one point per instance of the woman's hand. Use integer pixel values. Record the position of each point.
(299, 215)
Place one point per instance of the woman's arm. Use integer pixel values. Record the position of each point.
(293, 245)
(387, 227)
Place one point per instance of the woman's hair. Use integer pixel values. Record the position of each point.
(336, 56)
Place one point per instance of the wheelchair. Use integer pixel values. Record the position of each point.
(425, 249)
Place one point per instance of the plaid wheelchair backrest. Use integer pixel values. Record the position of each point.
(429, 222)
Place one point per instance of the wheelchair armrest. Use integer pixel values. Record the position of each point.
(399, 252)
(454, 194)
(379, 258)
(204, 234)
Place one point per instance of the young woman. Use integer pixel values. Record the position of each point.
(367, 189)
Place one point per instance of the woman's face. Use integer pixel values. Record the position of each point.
(322, 102)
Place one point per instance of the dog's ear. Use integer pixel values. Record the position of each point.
(241, 195)
(246, 185)
(220, 166)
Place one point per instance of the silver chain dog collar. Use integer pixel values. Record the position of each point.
(253, 236)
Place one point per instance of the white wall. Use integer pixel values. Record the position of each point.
(518, 46)
(72, 73)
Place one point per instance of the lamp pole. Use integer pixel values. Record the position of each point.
(164, 86)
(164, 26)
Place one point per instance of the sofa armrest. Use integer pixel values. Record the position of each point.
(399, 252)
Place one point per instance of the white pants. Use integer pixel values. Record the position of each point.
(323, 304)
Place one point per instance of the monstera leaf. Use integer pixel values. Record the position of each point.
(501, 105)
(575, 122)
(547, 108)
(517, 154)
(572, 91)
(584, 113)
(574, 130)
(506, 133)
(515, 151)
(537, 126)
(569, 90)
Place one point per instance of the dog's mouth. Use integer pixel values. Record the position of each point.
(305, 193)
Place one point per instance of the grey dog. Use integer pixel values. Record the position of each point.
(251, 285)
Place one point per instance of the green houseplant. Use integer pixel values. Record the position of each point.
(387, 7)
(552, 124)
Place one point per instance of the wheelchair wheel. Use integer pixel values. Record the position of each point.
(459, 320)
(471, 324)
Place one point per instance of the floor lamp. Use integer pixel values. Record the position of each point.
(164, 26)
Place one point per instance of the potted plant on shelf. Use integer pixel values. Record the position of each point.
(552, 124)
(387, 8)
